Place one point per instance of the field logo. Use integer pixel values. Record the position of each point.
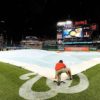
(27, 93)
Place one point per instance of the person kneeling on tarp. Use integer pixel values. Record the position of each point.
(60, 68)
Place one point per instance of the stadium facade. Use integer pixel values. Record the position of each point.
(77, 35)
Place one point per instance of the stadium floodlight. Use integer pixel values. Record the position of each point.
(60, 23)
(68, 22)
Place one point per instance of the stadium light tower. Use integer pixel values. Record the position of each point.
(68, 22)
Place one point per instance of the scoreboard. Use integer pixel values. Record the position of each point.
(78, 29)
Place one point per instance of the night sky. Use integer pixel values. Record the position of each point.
(39, 17)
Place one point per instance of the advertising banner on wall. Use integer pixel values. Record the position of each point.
(76, 48)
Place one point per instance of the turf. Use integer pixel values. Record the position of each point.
(10, 84)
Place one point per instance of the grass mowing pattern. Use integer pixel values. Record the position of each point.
(10, 84)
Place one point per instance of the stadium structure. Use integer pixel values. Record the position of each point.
(77, 35)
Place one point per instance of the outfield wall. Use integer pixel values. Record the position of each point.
(69, 48)
(76, 49)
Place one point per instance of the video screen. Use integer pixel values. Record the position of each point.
(69, 33)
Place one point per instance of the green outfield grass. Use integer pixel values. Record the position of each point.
(10, 84)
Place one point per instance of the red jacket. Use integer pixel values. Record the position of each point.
(59, 66)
